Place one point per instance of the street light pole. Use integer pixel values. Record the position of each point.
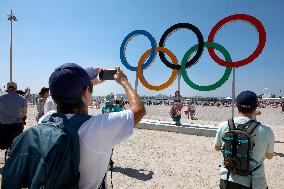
(11, 18)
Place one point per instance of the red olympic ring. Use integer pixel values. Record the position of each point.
(250, 19)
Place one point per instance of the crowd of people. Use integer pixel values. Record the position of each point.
(68, 144)
(188, 105)
(217, 103)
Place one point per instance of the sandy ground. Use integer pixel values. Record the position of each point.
(154, 159)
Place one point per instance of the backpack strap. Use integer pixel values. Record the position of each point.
(50, 119)
(71, 125)
(252, 127)
(249, 126)
(70, 128)
(255, 168)
(74, 123)
(231, 124)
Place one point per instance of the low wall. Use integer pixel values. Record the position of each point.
(186, 128)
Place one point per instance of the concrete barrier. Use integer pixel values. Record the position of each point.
(191, 129)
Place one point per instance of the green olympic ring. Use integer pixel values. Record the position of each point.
(214, 86)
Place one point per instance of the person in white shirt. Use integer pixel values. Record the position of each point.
(100, 134)
(49, 105)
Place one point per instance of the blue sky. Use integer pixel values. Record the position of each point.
(50, 33)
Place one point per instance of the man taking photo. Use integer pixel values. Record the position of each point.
(71, 87)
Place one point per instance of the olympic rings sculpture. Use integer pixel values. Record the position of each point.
(198, 48)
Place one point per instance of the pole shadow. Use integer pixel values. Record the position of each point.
(134, 173)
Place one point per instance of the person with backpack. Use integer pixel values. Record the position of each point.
(71, 149)
(245, 143)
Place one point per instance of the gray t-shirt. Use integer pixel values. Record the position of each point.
(263, 140)
(11, 106)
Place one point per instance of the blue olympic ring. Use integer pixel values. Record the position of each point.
(127, 39)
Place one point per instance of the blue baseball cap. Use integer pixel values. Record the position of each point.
(70, 80)
(247, 99)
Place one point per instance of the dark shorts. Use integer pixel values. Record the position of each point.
(8, 132)
(231, 185)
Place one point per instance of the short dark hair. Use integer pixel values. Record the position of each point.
(70, 107)
(73, 107)
(43, 90)
(246, 110)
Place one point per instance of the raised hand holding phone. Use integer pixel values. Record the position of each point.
(107, 74)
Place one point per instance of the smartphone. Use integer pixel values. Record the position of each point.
(107, 74)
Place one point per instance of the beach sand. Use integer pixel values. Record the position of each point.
(155, 159)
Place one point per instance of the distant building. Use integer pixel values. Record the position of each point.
(267, 96)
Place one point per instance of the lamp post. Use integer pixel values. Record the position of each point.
(11, 18)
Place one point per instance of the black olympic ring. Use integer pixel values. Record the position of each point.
(171, 30)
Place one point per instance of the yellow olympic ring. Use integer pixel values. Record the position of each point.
(140, 72)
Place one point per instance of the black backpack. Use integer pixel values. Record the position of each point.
(46, 156)
(238, 146)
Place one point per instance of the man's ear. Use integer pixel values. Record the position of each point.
(85, 94)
